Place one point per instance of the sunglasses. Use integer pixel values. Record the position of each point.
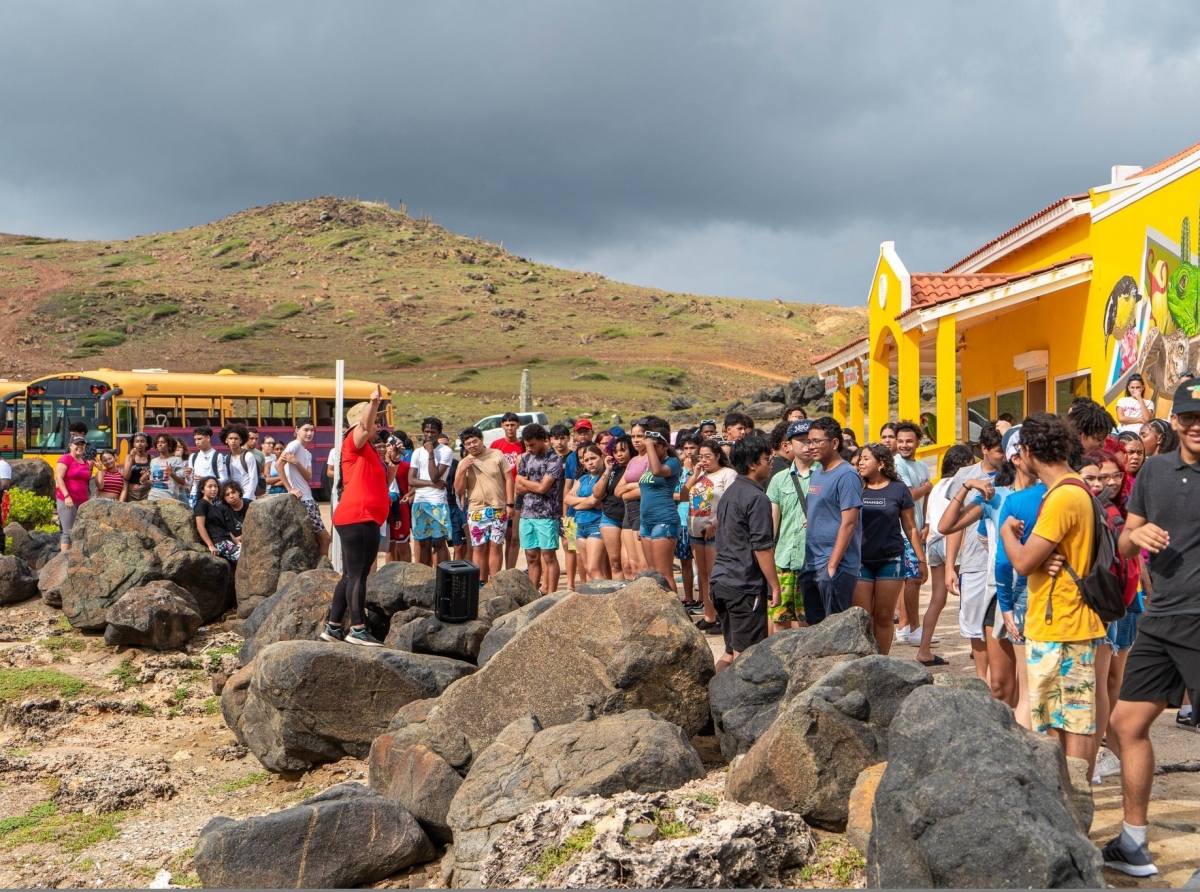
(711, 421)
(655, 435)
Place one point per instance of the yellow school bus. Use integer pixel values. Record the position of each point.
(12, 417)
(117, 404)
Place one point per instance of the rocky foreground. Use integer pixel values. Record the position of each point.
(575, 740)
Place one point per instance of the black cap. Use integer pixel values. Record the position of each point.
(1187, 397)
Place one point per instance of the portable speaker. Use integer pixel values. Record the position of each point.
(456, 592)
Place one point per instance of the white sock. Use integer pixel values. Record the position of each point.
(1136, 835)
(1185, 711)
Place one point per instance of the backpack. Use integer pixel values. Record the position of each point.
(220, 465)
(1103, 588)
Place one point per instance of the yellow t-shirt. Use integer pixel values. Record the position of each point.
(1066, 518)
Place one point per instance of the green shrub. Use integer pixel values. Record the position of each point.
(663, 376)
(285, 311)
(29, 509)
(455, 317)
(233, 333)
(395, 359)
(101, 338)
(592, 376)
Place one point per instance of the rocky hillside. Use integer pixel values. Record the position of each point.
(448, 321)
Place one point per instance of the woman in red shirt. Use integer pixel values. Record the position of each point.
(362, 508)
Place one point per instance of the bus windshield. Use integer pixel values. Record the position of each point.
(51, 417)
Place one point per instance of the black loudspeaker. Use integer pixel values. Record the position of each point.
(456, 592)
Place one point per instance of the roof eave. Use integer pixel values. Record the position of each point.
(1041, 224)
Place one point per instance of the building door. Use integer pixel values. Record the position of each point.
(1035, 394)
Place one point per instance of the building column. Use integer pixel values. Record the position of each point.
(857, 397)
(947, 382)
(839, 400)
(877, 384)
(909, 372)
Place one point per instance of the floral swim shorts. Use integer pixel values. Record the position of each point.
(1062, 685)
(791, 604)
(487, 525)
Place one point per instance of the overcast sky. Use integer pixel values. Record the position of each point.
(752, 149)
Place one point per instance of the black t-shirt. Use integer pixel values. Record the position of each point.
(1166, 492)
(881, 535)
(612, 505)
(216, 521)
(779, 463)
(235, 519)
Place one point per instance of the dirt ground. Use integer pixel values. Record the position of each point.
(89, 729)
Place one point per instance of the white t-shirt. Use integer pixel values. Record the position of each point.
(420, 463)
(914, 473)
(247, 477)
(208, 464)
(5, 470)
(938, 500)
(1130, 405)
(291, 475)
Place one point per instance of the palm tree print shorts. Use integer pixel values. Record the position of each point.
(1062, 685)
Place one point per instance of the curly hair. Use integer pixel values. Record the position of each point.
(883, 455)
(1048, 438)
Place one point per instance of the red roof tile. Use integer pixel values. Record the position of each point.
(825, 356)
(1002, 236)
(930, 289)
(1167, 162)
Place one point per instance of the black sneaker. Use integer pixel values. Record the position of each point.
(364, 637)
(693, 606)
(1136, 863)
(333, 633)
(1184, 721)
(713, 628)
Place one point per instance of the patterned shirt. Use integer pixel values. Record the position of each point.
(534, 468)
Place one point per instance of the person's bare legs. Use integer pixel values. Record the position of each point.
(441, 552)
(726, 660)
(1002, 668)
(1103, 704)
(512, 540)
(689, 584)
(660, 556)
(937, 603)
(1130, 724)
(1021, 710)
(425, 552)
(910, 607)
(611, 537)
(980, 655)
(323, 542)
(633, 552)
(572, 561)
(533, 560)
(1076, 746)
(592, 552)
(704, 556)
(879, 598)
(550, 571)
(1116, 674)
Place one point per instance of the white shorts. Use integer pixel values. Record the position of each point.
(973, 603)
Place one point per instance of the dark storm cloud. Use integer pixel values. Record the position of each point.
(756, 149)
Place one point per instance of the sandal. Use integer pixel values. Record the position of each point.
(936, 661)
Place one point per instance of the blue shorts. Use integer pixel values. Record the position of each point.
(1122, 633)
(889, 569)
(539, 534)
(606, 521)
(587, 529)
(683, 545)
(659, 531)
(430, 520)
(912, 569)
(458, 520)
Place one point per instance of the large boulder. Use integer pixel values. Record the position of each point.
(971, 800)
(296, 612)
(514, 584)
(635, 752)
(277, 536)
(33, 475)
(34, 547)
(398, 585)
(598, 843)
(417, 778)
(764, 411)
(429, 635)
(748, 695)
(17, 581)
(179, 521)
(51, 579)
(311, 702)
(116, 546)
(588, 656)
(344, 837)
(233, 700)
(506, 627)
(811, 756)
(159, 615)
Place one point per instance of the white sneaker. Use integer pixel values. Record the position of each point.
(1107, 763)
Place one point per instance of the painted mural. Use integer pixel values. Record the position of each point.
(1153, 327)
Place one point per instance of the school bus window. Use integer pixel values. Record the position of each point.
(161, 411)
(304, 409)
(242, 411)
(126, 417)
(201, 411)
(276, 412)
(325, 412)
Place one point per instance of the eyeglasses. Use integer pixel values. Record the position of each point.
(818, 441)
(1111, 478)
(1188, 419)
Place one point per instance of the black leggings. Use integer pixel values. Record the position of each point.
(360, 546)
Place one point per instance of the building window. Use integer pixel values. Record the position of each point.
(1012, 404)
(1070, 388)
(979, 413)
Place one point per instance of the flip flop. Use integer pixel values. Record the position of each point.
(936, 661)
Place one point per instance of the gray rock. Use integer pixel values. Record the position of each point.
(656, 576)
(971, 800)
(399, 584)
(17, 581)
(679, 403)
(33, 547)
(277, 536)
(513, 583)
(491, 609)
(297, 612)
(764, 411)
(602, 586)
(33, 475)
(506, 627)
(588, 656)
(179, 521)
(417, 778)
(811, 756)
(748, 695)
(725, 846)
(429, 635)
(51, 579)
(311, 702)
(344, 837)
(233, 701)
(635, 751)
(159, 615)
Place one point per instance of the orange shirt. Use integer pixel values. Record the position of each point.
(364, 485)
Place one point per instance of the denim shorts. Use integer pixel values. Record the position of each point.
(606, 521)
(893, 568)
(912, 568)
(587, 529)
(1122, 633)
(659, 531)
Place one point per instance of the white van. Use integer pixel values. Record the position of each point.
(493, 432)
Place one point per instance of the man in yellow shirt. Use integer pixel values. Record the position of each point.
(1061, 631)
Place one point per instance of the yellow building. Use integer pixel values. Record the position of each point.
(1070, 302)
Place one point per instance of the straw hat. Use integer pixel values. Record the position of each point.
(355, 413)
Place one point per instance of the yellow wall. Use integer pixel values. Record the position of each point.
(1064, 242)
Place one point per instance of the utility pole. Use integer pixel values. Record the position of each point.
(526, 399)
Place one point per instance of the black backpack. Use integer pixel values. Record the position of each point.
(1103, 588)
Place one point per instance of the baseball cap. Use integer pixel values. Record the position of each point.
(1011, 442)
(583, 424)
(617, 431)
(78, 441)
(799, 428)
(1187, 397)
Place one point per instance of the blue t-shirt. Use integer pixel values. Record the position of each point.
(829, 494)
(1023, 505)
(570, 472)
(658, 494)
(682, 506)
(586, 515)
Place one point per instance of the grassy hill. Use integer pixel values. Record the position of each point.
(447, 321)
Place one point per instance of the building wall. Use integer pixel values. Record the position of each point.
(1062, 243)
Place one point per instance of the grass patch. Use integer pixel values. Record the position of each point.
(565, 852)
(143, 709)
(661, 376)
(60, 645)
(455, 317)
(706, 798)
(70, 832)
(214, 655)
(233, 333)
(212, 705)
(125, 674)
(285, 311)
(120, 284)
(592, 376)
(669, 827)
(579, 360)
(162, 311)
(18, 683)
(225, 247)
(611, 334)
(187, 880)
(242, 783)
(700, 326)
(101, 338)
(836, 862)
(398, 359)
